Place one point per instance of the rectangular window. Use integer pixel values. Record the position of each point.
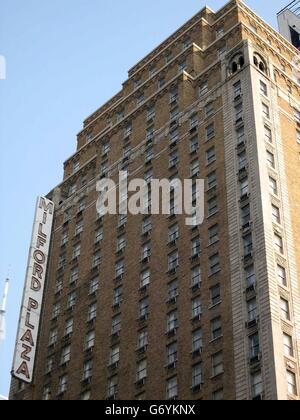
(92, 312)
(116, 324)
(257, 384)
(172, 321)
(244, 187)
(173, 160)
(64, 238)
(213, 234)
(248, 245)
(276, 214)
(278, 242)
(239, 112)
(173, 261)
(273, 186)
(242, 158)
(90, 340)
(141, 370)
(142, 340)
(266, 111)
(194, 144)
(122, 220)
(79, 228)
(268, 134)
(182, 66)
(172, 388)
(117, 296)
(171, 354)
(173, 290)
(174, 137)
(212, 205)
(173, 233)
(147, 225)
(240, 133)
(285, 309)
(196, 276)
(271, 159)
(94, 285)
(203, 89)
(214, 264)
(281, 274)
(196, 247)
(195, 168)
(105, 148)
(210, 132)
(246, 215)
(217, 364)
(99, 236)
(69, 327)
(144, 308)
(263, 88)
(96, 260)
(146, 251)
(211, 180)
(71, 301)
(215, 295)
(250, 276)
(209, 110)
(222, 52)
(254, 346)
(197, 341)
(53, 337)
(218, 395)
(196, 308)
(145, 278)
(252, 310)
(63, 384)
(197, 375)
(114, 357)
(237, 90)
(216, 328)
(128, 130)
(121, 243)
(112, 387)
(120, 268)
(292, 384)
(87, 370)
(288, 345)
(210, 156)
(151, 113)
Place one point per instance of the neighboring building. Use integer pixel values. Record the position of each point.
(146, 307)
(289, 23)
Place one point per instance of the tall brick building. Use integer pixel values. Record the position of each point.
(146, 307)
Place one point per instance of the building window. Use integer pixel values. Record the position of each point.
(62, 262)
(212, 205)
(141, 370)
(196, 308)
(197, 341)
(71, 301)
(254, 346)
(53, 337)
(90, 340)
(173, 160)
(216, 328)
(215, 295)
(59, 285)
(65, 355)
(268, 134)
(96, 259)
(222, 52)
(76, 251)
(46, 393)
(194, 144)
(147, 225)
(285, 310)
(63, 384)
(172, 321)
(121, 243)
(211, 180)
(244, 187)
(237, 90)
(161, 83)
(116, 324)
(49, 365)
(214, 264)
(120, 268)
(197, 375)
(281, 274)
(273, 186)
(144, 309)
(196, 276)
(250, 276)
(288, 345)
(145, 279)
(140, 99)
(182, 66)
(276, 214)
(263, 88)
(271, 159)
(257, 384)
(252, 310)
(174, 137)
(196, 247)
(105, 148)
(259, 63)
(173, 233)
(266, 111)
(79, 228)
(146, 251)
(117, 296)
(210, 132)
(174, 95)
(172, 290)
(112, 387)
(172, 354)
(242, 158)
(86, 396)
(195, 168)
(239, 112)
(203, 90)
(217, 364)
(142, 340)
(72, 189)
(240, 135)
(186, 43)
(173, 261)
(114, 357)
(278, 242)
(69, 327)
(210, 156)
(218, 395)
(128, 131)
(172, 388)
(220, 32)
(151, 113)
(92, 312)
(292, 384)
(209, 110)
(246, 215)
(248, 245)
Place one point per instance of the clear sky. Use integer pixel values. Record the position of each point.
(64, 59)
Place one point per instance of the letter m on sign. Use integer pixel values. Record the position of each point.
(47, 207)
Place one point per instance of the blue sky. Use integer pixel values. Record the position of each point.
(64, 59)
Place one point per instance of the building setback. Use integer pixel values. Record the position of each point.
(146, 307)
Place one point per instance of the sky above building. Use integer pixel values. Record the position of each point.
(64, 59)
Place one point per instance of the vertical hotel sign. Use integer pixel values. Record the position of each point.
(27, 336)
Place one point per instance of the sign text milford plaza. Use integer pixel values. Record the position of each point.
(27, 336)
